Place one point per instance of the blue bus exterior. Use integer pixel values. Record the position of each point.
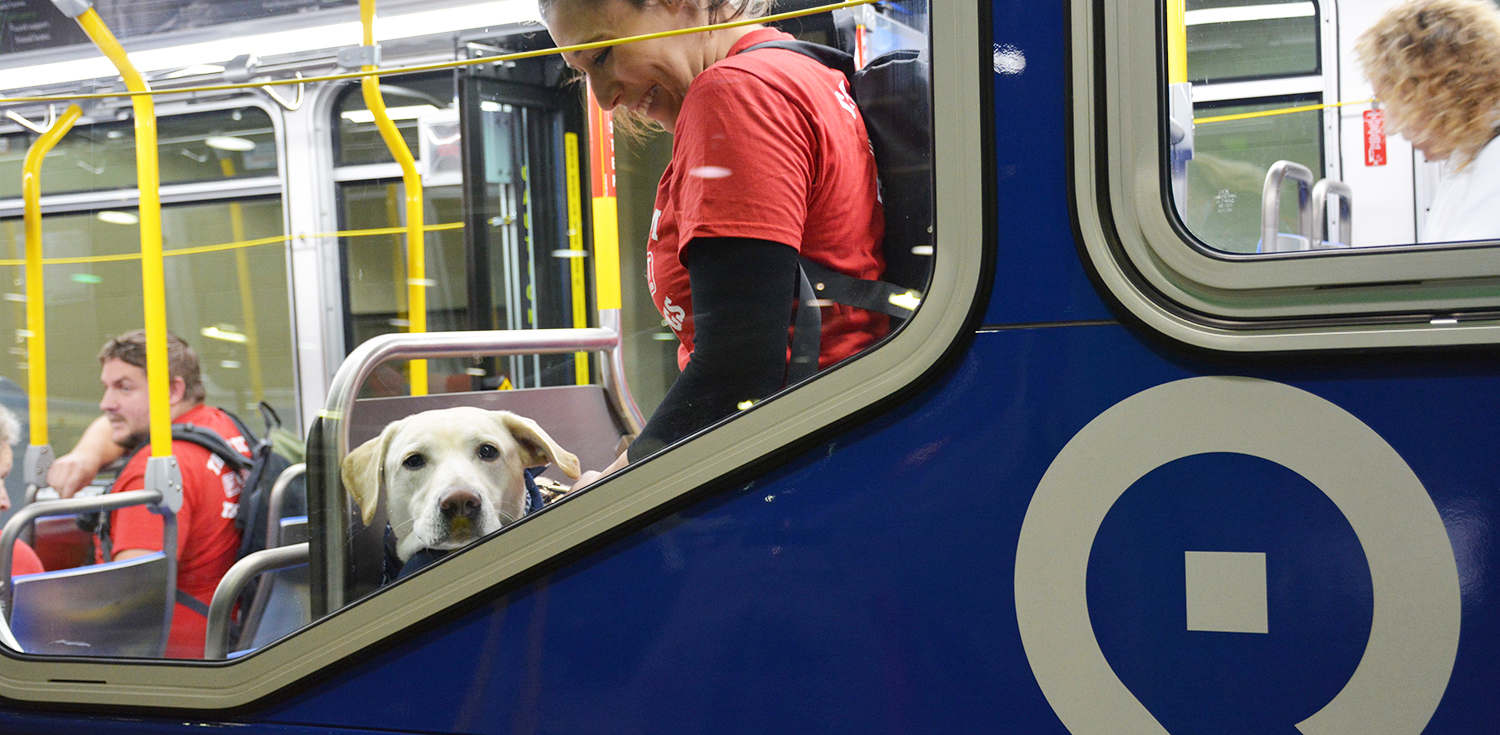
(868, 583)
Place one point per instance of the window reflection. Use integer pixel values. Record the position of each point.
(221, 293)
(205, 146)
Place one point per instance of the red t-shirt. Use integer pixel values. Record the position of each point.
(207, 541)
(769, 145)
(23, 560)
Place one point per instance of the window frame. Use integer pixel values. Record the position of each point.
(1158, 273)
(915, 355)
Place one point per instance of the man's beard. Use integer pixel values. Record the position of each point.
(136, 440)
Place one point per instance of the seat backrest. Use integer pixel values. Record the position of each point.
(61, 544)
(111, 609)
(282, 604)
(578, 417)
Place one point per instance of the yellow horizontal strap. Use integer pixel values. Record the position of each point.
(416, 69)
(197, 250)
(1279, 111)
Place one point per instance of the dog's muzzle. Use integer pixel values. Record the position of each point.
(462, 514)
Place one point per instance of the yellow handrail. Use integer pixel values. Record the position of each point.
(153, 279)
(223, 246)
(416, 270)
(36, 313)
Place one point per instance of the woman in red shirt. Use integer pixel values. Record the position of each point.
(770, 160)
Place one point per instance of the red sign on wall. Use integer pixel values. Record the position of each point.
(1374, 137)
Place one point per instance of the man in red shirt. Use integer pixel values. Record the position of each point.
(207, 540)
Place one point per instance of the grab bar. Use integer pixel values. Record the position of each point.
(1270, 204)
(216, 639)
(364, 359)
(1320, 210)
(23, 518)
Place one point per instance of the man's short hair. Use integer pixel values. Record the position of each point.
(182, 362)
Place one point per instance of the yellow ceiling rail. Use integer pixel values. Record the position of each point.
(36, 313)
(221, 247)
(419, 68)
(1278, 111)
(416, 269)
(153, 280)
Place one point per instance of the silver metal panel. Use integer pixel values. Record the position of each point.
(113, 609)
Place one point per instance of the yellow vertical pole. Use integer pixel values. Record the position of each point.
(153, 279)
(1176, 41)
(36, 314)
(247, 293)
(606, 209)
(575, 262)
(416, 270)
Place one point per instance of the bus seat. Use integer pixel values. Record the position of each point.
(579, 417)
(61, 544)
(118, 608)
(282, 602)
(111, 609)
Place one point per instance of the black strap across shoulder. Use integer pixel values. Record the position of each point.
(818, 283)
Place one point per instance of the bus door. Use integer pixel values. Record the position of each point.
(499, 254)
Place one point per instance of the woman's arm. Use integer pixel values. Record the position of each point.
(743, 293)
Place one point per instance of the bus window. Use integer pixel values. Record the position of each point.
(501, 261)
(509, 248)
(237, 143)
(1228, 169)
(1274, 209)
(240, 326)
(1263, 82)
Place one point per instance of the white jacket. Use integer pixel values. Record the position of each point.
(1466, 205)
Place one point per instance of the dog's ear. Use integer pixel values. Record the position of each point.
(363, 471)
(537, 448)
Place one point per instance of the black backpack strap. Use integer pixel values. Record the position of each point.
(210, 440)
(886, 298)
(192, 603)
(826, 55)
(807, 332)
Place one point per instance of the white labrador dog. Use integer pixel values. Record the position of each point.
(451, 475)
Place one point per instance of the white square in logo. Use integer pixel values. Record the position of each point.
(1226, 591)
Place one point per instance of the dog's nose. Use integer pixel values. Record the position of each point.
(459, 503)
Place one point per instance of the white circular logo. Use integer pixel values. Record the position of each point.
(1415, 622)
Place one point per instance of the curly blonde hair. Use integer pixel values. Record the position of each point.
(1436, 63)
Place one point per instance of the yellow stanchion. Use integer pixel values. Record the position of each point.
(416, 270)
(1177, 71)
(575, 260)
(606, 208)
(153, 279)
(36, 314)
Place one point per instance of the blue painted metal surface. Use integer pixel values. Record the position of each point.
(867, 586)
(1038, 276)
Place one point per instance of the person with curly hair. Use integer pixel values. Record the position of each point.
(1435, 65)
(770, 160)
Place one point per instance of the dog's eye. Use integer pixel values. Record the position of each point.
(488, 451)
(414, 462)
